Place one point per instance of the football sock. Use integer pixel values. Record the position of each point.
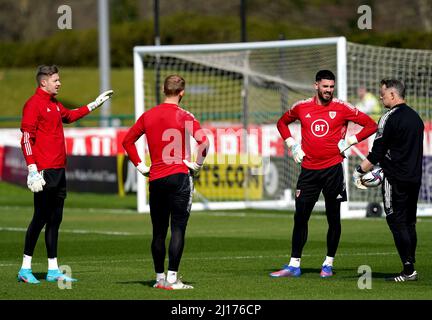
(408, 268)
(172, 276)
(26, 264)
(52, 264)
(160, 276)
(295, 262)
(328, 261)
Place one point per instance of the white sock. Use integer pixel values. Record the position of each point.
(172, 276)
(160, 276)
(328, 261)
(295, 262)
(52, 264)
(26, 264)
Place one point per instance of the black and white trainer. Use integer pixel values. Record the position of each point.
(402, 277)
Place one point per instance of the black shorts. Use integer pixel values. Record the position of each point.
(55, 180)
(171, 195)
(329, 180)
(400, 201)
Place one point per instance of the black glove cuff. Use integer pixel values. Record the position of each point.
(360, 170)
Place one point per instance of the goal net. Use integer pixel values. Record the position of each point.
(239, 91)
(366, 66)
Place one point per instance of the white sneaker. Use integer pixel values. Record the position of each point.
(159, 284)
(178, 285)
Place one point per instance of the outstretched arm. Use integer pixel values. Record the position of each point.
(69, 116)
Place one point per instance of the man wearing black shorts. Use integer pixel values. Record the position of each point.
(168, 129)
(324, 121)
(398, 149)
(44, 150)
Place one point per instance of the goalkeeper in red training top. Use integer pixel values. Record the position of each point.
(324, 121)
(44, 150)
(168, 129)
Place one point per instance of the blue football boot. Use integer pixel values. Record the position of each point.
(326, 271)
(287, 271)
(55, 275)
(26, 275)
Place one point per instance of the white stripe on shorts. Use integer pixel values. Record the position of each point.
(388, 197)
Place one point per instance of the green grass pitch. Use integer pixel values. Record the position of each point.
(228, 255)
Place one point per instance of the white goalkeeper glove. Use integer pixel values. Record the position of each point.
(143, 169)
(345, 144)
(100, 100)
(358, 173)
(35, 181)
(296, 149)
(194, 167)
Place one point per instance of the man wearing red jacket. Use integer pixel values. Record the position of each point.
(44, 150)
(324, 123)
(168, 130)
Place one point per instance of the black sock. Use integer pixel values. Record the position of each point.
(408, 268)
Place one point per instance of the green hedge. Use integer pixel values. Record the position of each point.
(80, 48)
(411, 39)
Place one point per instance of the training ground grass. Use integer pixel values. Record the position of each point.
(228, 255)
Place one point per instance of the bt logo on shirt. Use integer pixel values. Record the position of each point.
(319, 128)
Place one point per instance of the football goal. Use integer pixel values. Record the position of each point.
(238, 91)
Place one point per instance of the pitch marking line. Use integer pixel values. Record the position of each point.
(110, 233)
(121, 233)
(213, 258)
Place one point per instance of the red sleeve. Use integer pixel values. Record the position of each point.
(69, 116)
(200, 137)
(362, 119)
(282, 124)
(133, 134)
(29, 124)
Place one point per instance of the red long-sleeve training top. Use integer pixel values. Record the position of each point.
(42, 139)
(168, 129)
(322, 127)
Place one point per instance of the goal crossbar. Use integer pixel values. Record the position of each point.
(173, 50)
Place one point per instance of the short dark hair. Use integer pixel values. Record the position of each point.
(45, 71)
(324, 74)
(173, 85)
(395, 84)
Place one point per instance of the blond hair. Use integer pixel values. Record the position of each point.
(173, 85)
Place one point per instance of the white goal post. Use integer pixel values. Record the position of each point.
(247, 87)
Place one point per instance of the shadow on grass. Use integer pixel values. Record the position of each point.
(40, 275)
(146, 283)
(375, 275)
(315, 271)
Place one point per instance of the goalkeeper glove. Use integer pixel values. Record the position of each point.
(345, 144)
(100, 100)
(358, 173)
(143, 169)
(35, 181)
(194, 167)
(296, 149)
